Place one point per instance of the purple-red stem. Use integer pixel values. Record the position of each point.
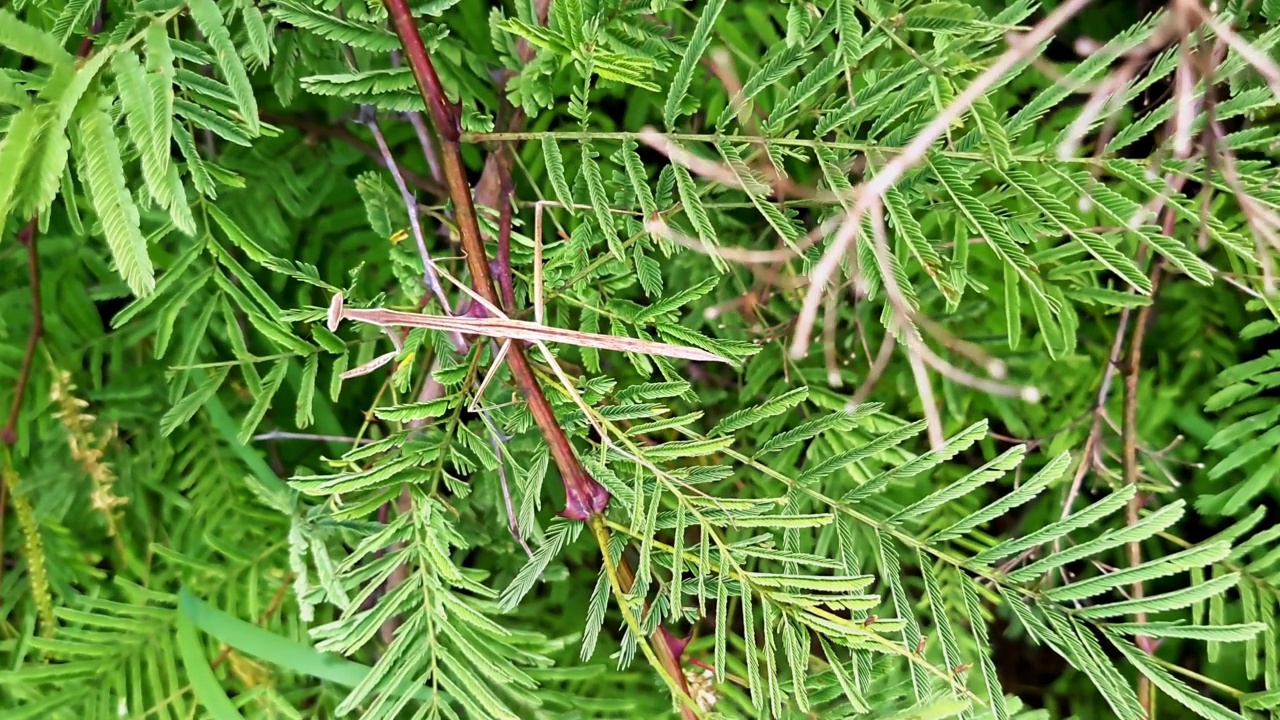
(584, 496)
(28, 236)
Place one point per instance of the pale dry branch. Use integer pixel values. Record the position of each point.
(1265, 66)
(870, 192)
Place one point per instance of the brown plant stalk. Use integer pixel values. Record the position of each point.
(584, 496)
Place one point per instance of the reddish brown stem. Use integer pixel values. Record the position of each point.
(27, 236)
(584, 496)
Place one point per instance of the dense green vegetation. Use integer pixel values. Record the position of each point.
(631, 358)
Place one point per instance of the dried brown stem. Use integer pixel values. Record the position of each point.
(368, 115)
(584, 496)
(28, 237)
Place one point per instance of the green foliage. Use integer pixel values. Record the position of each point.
(1063, 456)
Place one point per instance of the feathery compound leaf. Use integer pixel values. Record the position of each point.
(674, 302)
(675, 105)
(907, 227)
(826, 71)
(560, 534)
(66, 86)
(1174, 688)
(158, 172)
(417, 411)
(942, 619)
(687, 448)
(1216, 633)
(841, 420)
(15, 151)
(778, 62)
(102, 171)
(973, 609)
(255, 28)
(210, 21)
(956, 445)
(981, 220)
(1087, 655)
(757, 191)
(1124, 212)
(769, 408)
(653, 391)
(366, 36)
(892, 573)
(187, 407)
(697, 213)
(993, 132)
(639, 178)
(819, 583)
(875, 447)
(262, 403)
(1098, 247)
(1053, 531)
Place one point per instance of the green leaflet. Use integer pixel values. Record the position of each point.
(675, 105)
(209, 18)
(599, 199)
(752, 415)
(138, 96)
(555, 171)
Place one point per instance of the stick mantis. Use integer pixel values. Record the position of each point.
(503, 330)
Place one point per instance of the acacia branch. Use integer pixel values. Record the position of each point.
(584, 496)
